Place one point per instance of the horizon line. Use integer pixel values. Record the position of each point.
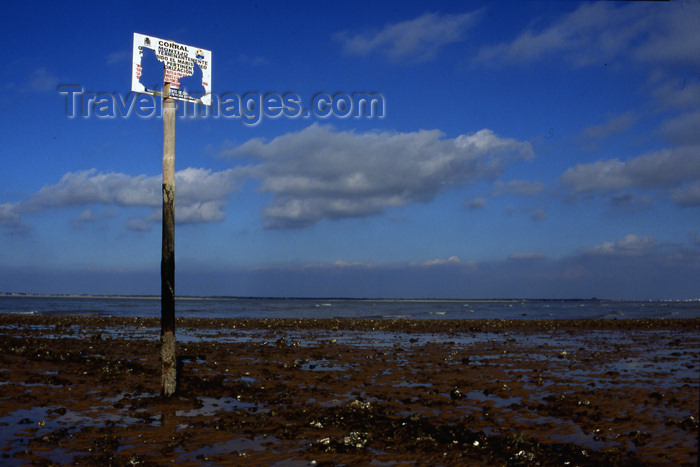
(419, 299)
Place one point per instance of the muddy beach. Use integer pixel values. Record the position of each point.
(85, 390)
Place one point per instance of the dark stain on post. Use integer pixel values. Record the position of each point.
(167, 265)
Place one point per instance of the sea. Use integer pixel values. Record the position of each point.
(233, 307)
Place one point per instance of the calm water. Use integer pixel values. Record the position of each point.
(327, 308)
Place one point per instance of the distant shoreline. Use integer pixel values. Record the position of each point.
(41, 295)
(406, 300)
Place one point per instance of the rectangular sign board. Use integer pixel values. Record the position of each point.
(186, 68)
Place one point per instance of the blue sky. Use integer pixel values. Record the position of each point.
(525, 149)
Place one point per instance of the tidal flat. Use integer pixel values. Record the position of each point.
(86, 390)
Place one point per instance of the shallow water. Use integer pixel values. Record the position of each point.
(344, 308)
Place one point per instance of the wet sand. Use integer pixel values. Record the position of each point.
(85, 390)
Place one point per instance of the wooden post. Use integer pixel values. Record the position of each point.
(167, 265)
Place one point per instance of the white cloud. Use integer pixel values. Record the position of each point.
(676, 93)
(661, 169)
(320, 173)
(601, 32)
(194, 213)
(645, 35)
(203, 185)
(629, 245)
(200, 194)
(603, 175)
(683, 129)
(453, 260)
(476, 203)
(416, 40)
(615, 124)
(674, 35)
(10, 216)
(630, 202)
(138, 225)
(86, 216)
(594, 32)
(42, 80)
(352, 264)
(687, 195)
(89, 186)
(632, 267)
(118, 57)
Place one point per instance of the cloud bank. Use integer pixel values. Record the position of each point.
(413, 41)
(321, 173)
(314, 174)
(665, 169)
(200, 193)
(601, 32)
(632, 267)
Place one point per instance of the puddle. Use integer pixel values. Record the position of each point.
(211, 405)
(324, 365)
(23, 425)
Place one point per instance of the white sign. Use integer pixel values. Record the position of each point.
(183, 67)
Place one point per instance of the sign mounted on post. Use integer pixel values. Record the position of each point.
(173, 71)
(186, 68)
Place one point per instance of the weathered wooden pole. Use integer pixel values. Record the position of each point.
(167, 265)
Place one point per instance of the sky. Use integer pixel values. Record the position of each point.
(514, 149)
